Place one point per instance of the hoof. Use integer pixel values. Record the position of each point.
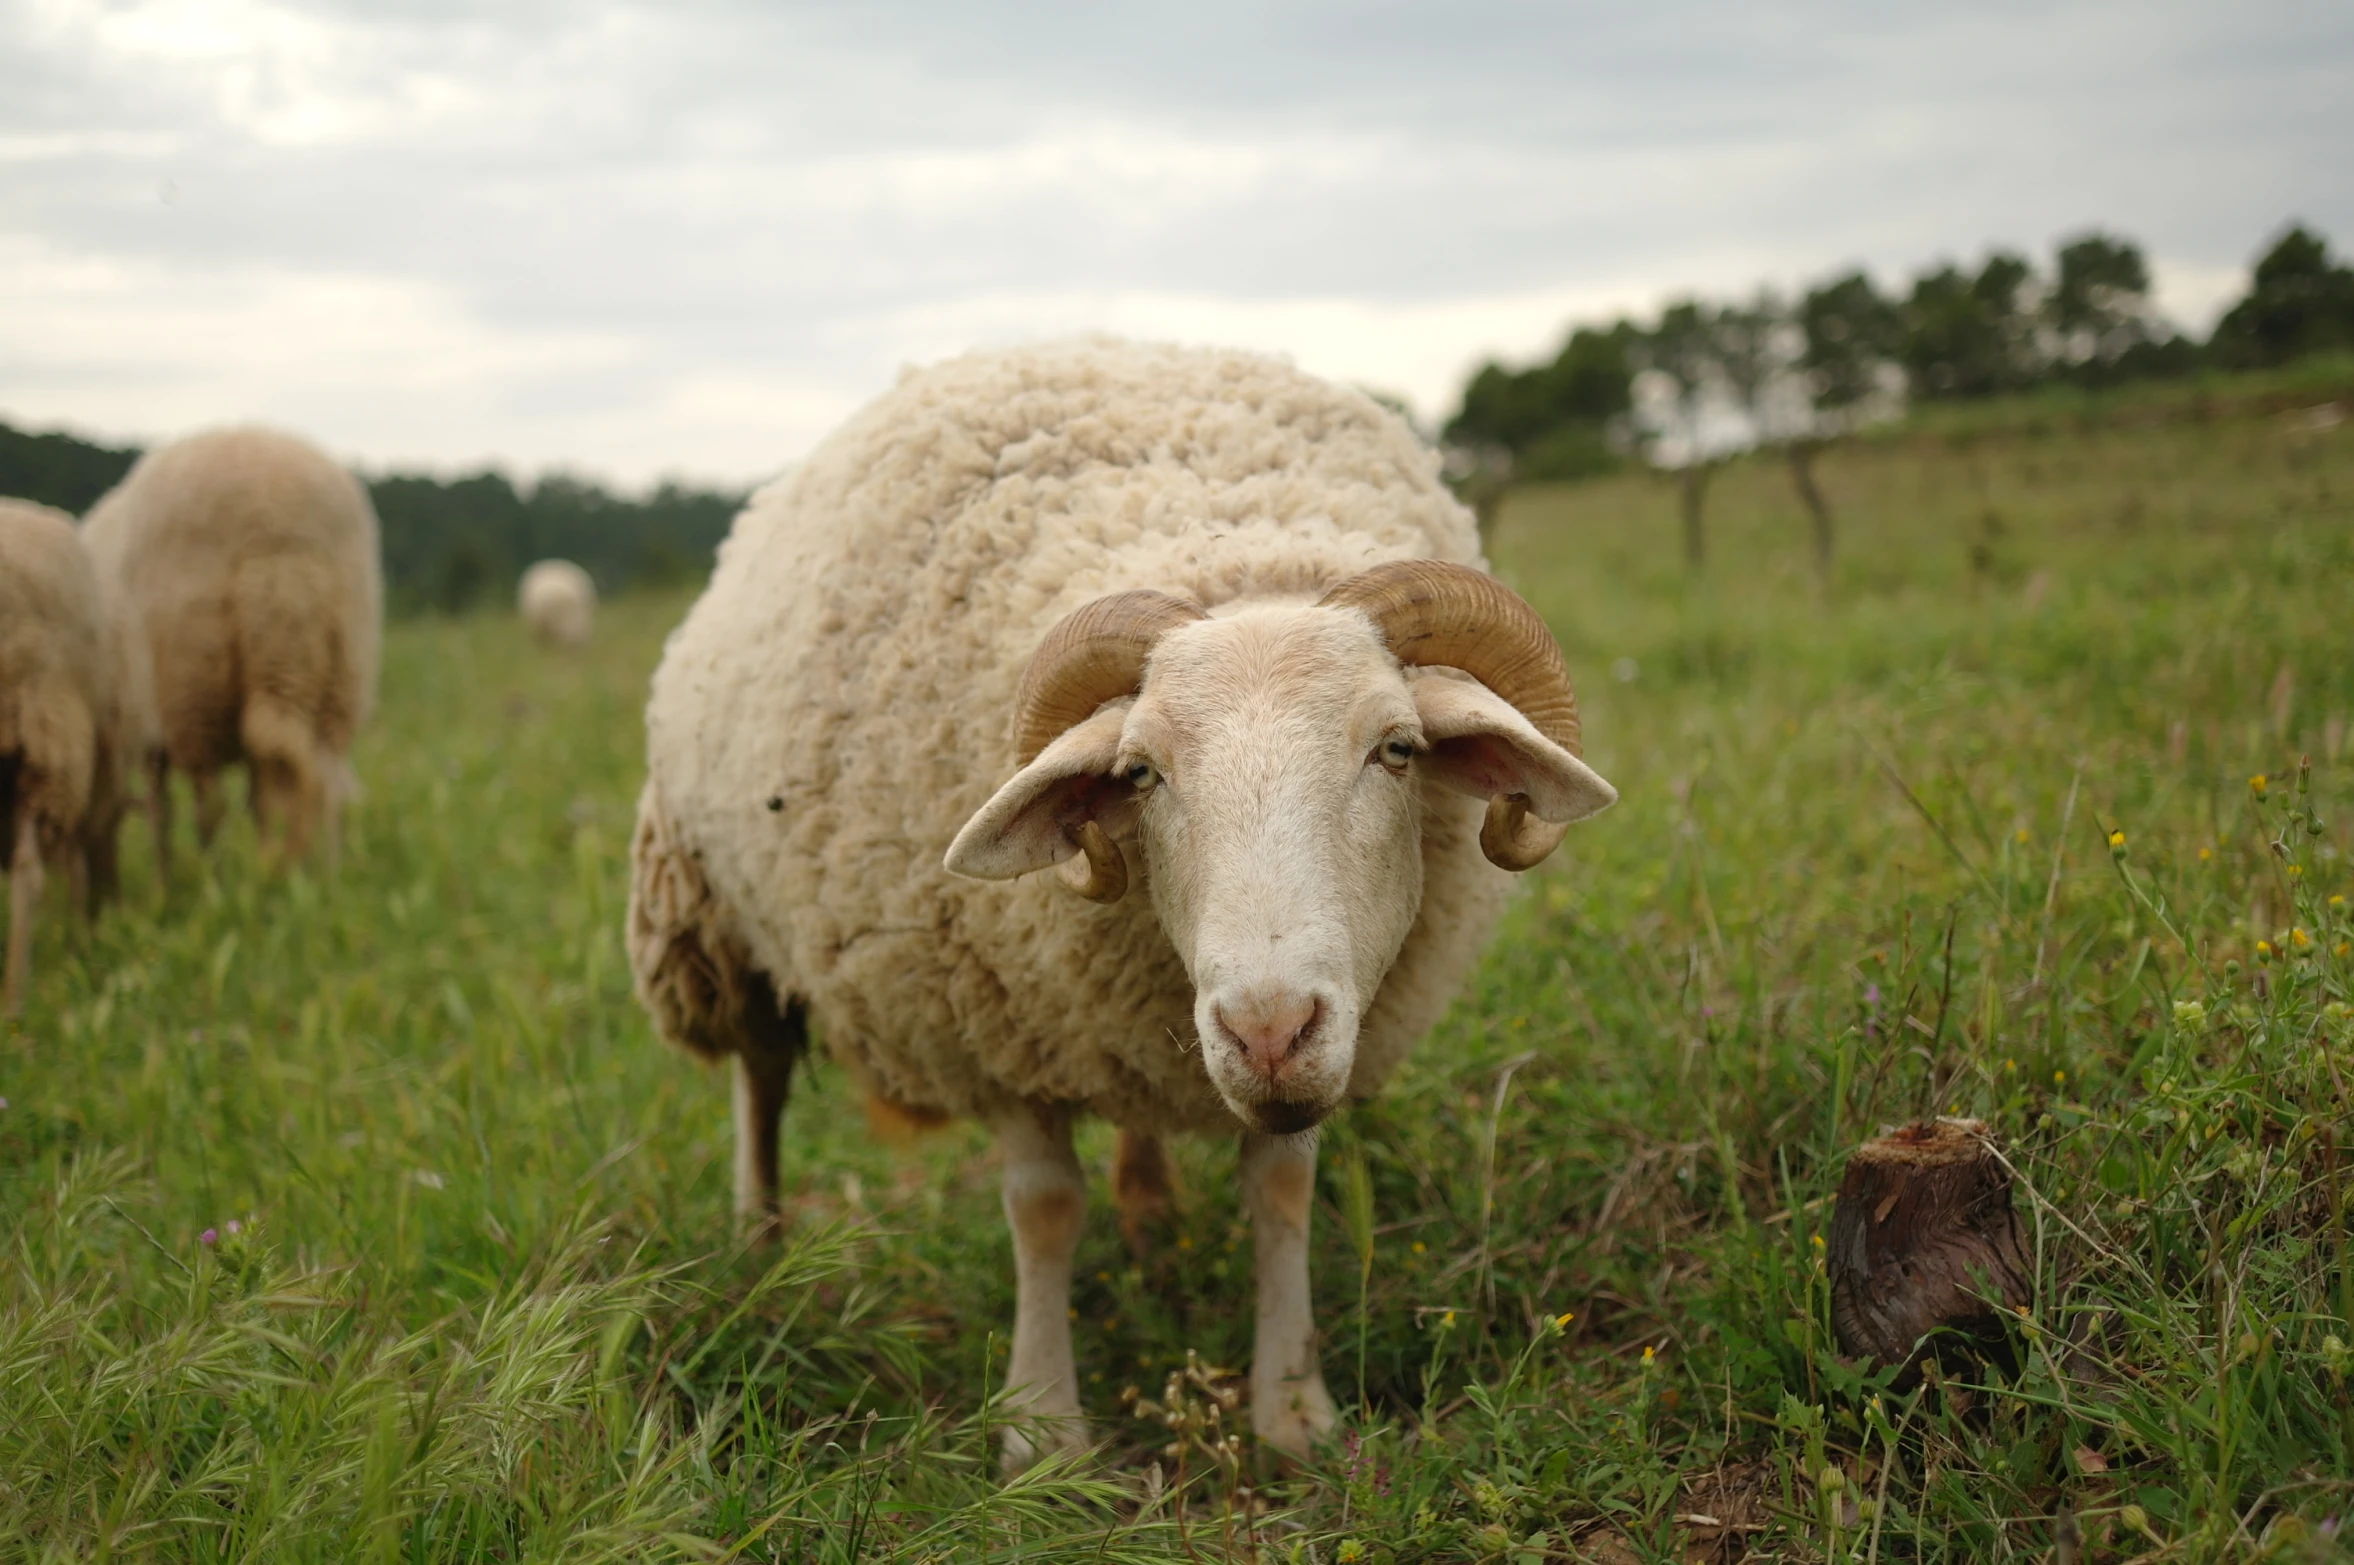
(1300, 1414)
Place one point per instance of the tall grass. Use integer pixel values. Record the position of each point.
(484, 1300)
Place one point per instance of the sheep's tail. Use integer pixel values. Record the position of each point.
(693, 975)
(300, 700)
(289, 782)
(697, 981)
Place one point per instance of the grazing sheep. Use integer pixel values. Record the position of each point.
(248, 561)
(558, 601)
(1199, 609)
(63, 724)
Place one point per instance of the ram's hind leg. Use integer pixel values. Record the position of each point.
(1290, 1409)
(1045, 1205)
(24, 895)
(772, 1039)
(1142, 1188)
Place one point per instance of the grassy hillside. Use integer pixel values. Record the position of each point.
(483, 1300)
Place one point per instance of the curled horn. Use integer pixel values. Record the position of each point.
(1094, 654)
(1434, 612)
(1101, 875)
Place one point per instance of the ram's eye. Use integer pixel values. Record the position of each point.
(1395, 754)
(1141, 776)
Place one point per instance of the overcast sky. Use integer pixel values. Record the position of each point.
(688, 238)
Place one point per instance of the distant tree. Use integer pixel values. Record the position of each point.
(2298, 303)
(1682, 357)
(1584, 386)
(2099, 306)
(452, 544)
(1972, 336)
(1550, 421)
(58, 469)
(1852, 337)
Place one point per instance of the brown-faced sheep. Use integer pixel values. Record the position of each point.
(558, 602)
(1183, 618)
(248, 561)
(65, 728)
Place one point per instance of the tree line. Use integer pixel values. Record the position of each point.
(1705, 380)
(450, 543)
(1698, 383)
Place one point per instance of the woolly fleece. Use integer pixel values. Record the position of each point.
(840, 700)
(248, 560)
(558, 602)
(60, 723)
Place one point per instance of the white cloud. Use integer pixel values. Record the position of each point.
(389, 365)
(690, 237)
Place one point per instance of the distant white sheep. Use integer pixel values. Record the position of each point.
(66, 732)
(558, 602)
(248, 560)
(1184, 617)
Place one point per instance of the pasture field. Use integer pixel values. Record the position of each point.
(1971, 832)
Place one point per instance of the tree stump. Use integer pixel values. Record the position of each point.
(1924, 1245)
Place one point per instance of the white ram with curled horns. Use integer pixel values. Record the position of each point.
(1206, 641)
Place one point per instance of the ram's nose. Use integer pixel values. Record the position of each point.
(1270, 1027)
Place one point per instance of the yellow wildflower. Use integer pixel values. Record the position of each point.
(2300, 939)
(2205, 854)
(2256, 785)
(2117, 839)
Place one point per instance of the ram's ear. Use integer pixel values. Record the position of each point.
(1035, 820)
(1481, 745)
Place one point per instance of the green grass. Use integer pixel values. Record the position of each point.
(485, 1301)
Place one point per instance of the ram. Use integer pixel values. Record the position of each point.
(1201, 636)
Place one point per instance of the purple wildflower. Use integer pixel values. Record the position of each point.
(1871, 994)
(234, 1226)
(208, 1237)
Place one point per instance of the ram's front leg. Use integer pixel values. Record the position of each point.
(1290, 1409)
(1045, 1204)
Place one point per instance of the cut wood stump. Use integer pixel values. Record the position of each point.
(1924, 1249)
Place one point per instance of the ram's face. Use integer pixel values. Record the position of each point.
(1276, 812)
(1266, 775)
